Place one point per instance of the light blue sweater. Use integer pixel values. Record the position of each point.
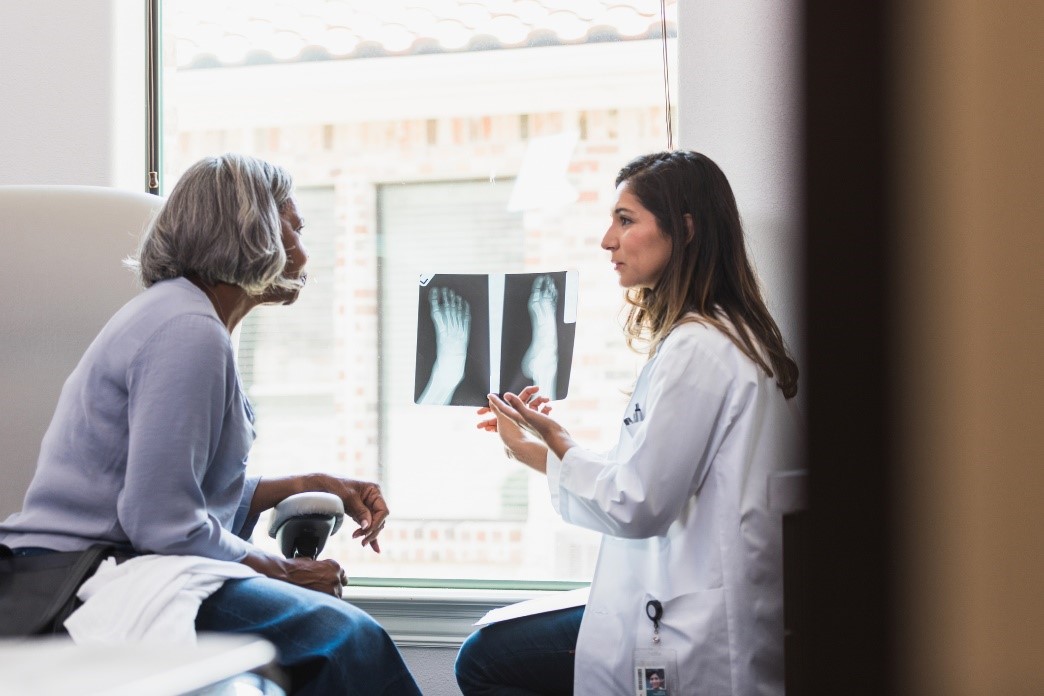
(148, 444)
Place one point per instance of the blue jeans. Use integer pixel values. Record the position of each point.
(521, 657)
(326, 646)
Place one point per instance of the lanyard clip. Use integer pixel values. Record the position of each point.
(654, 610)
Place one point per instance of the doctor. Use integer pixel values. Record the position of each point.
(688, 582)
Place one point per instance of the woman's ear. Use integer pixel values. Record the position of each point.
(690, 227)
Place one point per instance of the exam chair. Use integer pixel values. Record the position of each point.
(62, 280)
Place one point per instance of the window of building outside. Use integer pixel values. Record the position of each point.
(425, 137)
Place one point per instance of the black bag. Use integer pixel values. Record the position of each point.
(38, 593)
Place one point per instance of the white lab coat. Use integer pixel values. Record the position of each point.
(690, 504)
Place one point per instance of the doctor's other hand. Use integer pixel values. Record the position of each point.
(519, 443)
(533, 400)
(527, 433)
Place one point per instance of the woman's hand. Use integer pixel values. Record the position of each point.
(525, 428)
(326, 576)
(364, 503)
(362, 500)
(529, 395)
(519, 443)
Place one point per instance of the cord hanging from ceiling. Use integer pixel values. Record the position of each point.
(666, 75)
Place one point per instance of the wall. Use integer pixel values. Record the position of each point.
(433, 668)
(71, 115)
(72, 83)
(739, 103)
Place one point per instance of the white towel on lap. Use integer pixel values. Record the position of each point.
(148, 599)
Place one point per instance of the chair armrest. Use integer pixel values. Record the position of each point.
(302, 523)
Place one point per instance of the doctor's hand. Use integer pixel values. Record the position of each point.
(519, 443)
(528, 432)
(530, 395)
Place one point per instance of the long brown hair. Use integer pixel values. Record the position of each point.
(708, 273)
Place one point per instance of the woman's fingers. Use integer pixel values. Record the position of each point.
(357, 510)
(534, 400)
(365, 504)
(516, 404)
(325, 576)
(504, 408)
(528, 393)
(529, 418)
(538, 404)
(378, 511)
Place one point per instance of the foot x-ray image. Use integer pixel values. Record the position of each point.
(523, 325)
(536, 340)
(453, 341)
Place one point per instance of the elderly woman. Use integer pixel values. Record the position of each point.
(147, 449)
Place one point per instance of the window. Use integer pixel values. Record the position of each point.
(286, 357)
(424, 137)
(459, 226)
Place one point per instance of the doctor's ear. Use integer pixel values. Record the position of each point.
(690, 228)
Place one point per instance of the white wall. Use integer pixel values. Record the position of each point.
(73, 113)
(739, 104)
(72, 81)
(433, 669)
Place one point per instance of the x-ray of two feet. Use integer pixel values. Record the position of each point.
(451, 316)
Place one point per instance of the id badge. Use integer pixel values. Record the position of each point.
(655, 672)
(655, 667)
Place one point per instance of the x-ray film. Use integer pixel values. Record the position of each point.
(498, 332)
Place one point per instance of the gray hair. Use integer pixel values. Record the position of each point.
(221, 223)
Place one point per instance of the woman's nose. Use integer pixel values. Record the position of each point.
(609, 240)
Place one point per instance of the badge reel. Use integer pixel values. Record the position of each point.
(655, 666)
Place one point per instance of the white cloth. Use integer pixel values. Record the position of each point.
(151, 599)
(684, 503)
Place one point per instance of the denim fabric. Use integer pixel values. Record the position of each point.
(521, 657)
(325, 645)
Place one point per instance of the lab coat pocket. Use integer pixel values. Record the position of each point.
(693, 625)
(631, 429)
